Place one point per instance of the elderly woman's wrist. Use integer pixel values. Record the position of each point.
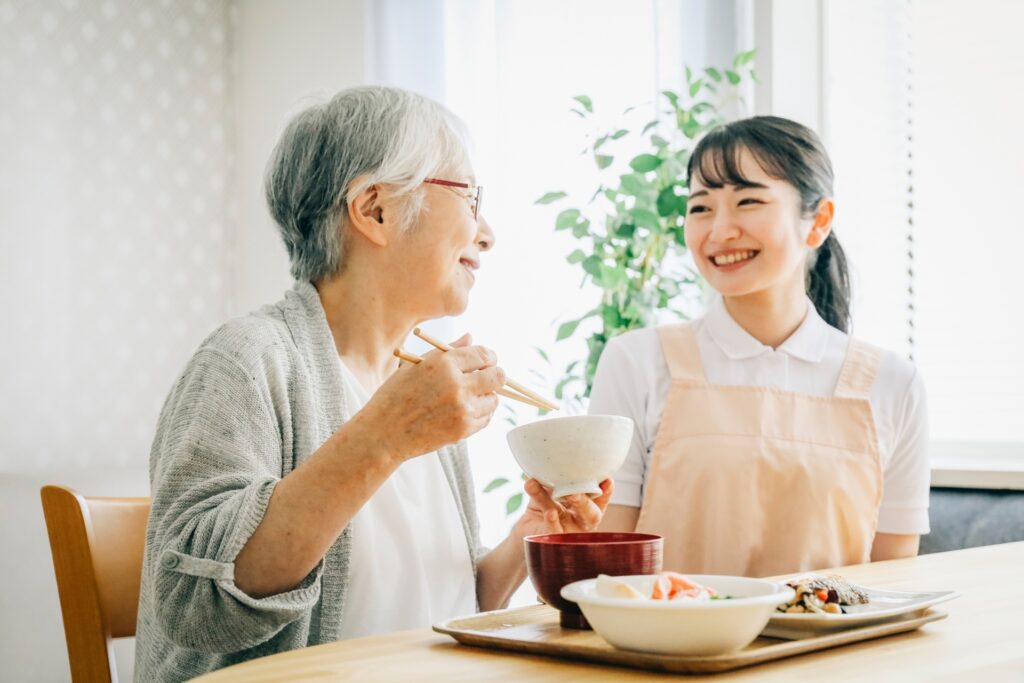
(361, 435)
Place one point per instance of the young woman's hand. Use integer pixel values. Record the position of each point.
(573, 513)
(442, 400)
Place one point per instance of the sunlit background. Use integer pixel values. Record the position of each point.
(133, 136)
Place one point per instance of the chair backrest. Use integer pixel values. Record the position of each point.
(97, 546)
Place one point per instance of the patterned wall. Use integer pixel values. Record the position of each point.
(114, 181)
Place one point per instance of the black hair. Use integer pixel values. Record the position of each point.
(789, 151)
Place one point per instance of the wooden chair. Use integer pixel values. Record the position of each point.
(97, 546)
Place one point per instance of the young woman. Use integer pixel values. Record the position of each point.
(768, 440)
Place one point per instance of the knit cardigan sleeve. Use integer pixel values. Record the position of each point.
(216, 459)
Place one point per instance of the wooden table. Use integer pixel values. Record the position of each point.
(981, 641)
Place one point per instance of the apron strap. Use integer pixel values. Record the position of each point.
(679, 346)
(859, 369)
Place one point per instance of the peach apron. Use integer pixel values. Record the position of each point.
(756, 481)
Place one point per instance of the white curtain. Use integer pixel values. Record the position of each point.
(924, 113)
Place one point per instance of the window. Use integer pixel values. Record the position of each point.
(924, 127)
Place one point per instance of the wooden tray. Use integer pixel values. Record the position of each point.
(535, 630)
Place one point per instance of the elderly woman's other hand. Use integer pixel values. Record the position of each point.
(447, 397)
(573, 513)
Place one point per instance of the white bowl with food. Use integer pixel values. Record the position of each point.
(702, 615)
(572, 454)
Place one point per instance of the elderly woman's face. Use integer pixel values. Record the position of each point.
(441, 253)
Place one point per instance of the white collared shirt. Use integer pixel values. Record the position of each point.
(633, 380)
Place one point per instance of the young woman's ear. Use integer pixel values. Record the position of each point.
(822, 224)
(366, 216)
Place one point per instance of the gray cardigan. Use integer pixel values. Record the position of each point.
(260, 395)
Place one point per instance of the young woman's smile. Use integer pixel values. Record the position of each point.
(748, 237)
(733, 259)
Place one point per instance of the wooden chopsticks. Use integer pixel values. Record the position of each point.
(414, 359)
(518, 391)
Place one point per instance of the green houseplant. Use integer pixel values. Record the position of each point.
(631, 243)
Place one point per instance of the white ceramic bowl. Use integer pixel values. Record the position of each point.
(688, 628)
(572, 454)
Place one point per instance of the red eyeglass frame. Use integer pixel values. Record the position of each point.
(477, 192)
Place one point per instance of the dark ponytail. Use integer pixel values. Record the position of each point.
(828, 284)
(791, 152)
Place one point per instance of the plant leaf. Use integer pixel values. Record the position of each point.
(643, 163)
(672, 97)
(681, 203)
(619, 133)
(633, 184)
(551, 197)
(603, 160)
(566, 329)
(581, 229)
(576, 256)
(645, 219)
(714, 73)
(695, 87)
(648, 126)
(564, 382)
(543, 354)
(679, 236)
(625, 230)
(592, 266)
(667, 203)
(495, 483)
(514, 503)
(743, 57)
(567, 219)
(587, 103)
(733, 77)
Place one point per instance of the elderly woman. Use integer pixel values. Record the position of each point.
(305, 488)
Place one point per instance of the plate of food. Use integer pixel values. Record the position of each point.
(823, 603)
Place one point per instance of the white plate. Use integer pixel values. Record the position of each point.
(884, 605)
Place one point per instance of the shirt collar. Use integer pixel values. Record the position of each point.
(808, 342)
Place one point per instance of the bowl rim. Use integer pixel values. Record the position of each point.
(571, 418)
(637, 538)
(574, 592)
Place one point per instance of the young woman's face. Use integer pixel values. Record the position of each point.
(748, 238)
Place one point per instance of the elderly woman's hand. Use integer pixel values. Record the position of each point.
(440, 401)
(573, 513)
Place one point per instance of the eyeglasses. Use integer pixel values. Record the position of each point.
(475, 196)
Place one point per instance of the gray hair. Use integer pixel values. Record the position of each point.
(334, 150)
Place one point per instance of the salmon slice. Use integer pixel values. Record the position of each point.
(670, 585)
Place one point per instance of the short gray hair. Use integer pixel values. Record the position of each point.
(373, 134)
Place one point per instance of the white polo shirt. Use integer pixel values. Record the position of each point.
(633, 380)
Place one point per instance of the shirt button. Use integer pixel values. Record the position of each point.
(169, 560)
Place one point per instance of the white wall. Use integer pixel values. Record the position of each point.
(287, 53)
(790, 59)
(132, 222)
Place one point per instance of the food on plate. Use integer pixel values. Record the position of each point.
(608, 587)
(823, 595)
(667, 586)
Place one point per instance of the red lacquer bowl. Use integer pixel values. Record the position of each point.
(556, 560)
